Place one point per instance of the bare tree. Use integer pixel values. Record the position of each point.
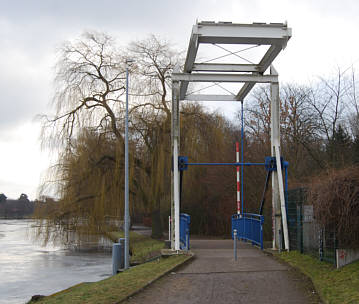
(298, 123)
(257, 115)
(155, 59)
(87, 125)
(329, 102)
(299, 128)
(89, 84)
(354, 103)
(151, 116)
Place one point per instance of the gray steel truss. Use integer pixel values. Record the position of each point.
(273, 35)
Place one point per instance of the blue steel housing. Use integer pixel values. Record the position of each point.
(185, 221)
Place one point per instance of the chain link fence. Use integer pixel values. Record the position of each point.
(305, 235)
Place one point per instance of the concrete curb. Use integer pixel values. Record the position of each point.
(191, 257)
(273, 253)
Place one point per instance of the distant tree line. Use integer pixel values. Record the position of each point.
(319, 130)
(16, 209)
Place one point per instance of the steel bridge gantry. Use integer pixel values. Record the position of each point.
(273, 35)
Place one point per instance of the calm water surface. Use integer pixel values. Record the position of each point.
(27, 269)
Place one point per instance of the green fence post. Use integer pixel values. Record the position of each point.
(299, 227)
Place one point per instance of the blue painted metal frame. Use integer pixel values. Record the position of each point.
(185, 221)
(285, 165)
(222, 164)
(249, 227)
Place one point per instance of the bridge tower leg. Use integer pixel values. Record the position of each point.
(279, 215)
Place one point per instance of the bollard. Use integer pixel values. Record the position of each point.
(235, 243)
(117, 251)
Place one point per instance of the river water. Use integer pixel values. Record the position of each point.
(26, 268)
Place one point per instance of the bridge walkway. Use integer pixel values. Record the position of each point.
(214, 277)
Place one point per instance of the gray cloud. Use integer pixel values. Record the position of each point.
(30, 31)
(24, 87)
(46, 17)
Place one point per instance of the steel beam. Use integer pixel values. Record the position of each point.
(210, 77)
(278, 187)
(269, 57)
(223, 67)
(263, 65)
(190, 58)
(244, 91)
(282, 199)
(205, 97)
(234, 33)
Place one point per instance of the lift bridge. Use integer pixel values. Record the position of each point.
(273, 38)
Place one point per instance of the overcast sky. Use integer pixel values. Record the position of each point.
(325, 35)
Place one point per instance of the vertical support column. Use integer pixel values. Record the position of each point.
(282, 199)
(175, 193)
(275, 140)
(279, 210)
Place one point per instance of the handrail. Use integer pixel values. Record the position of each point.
(249, 227)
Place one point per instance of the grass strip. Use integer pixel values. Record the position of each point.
(134, 236)
(119, 287)
(143, 247)
(333, 285)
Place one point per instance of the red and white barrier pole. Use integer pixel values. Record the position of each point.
(238, 181)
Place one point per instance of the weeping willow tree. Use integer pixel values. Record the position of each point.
(151, 116)
(87, 129)
(89, 85)
(90, 189)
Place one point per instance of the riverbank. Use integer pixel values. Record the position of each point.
(119, 287)
(123, 285)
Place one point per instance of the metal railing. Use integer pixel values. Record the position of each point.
(249, 227)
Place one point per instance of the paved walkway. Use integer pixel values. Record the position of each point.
(214, 277)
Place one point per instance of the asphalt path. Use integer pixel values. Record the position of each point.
(215, 277)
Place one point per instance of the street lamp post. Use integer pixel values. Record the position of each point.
(127, 213)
